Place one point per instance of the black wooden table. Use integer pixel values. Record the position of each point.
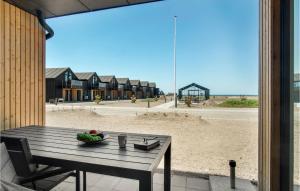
(58, 147)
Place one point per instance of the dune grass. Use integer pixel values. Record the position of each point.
(239, 103)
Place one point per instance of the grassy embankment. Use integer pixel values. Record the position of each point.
(239, 103)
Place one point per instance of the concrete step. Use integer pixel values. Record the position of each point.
(222, 183)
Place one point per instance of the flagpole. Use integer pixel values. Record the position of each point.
(175, 97)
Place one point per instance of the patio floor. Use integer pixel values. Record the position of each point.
(96, 182)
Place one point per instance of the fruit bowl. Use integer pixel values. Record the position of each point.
(92, 137)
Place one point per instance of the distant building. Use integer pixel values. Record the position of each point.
(297, 88)
(110, 86)
(124, 88)
(63, 83)
(145, 89)
(90, 85)
(152, 89)
(136, 88)
(194, 91)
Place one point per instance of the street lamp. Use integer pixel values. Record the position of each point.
(175, 97)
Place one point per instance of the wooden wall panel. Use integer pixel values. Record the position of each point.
(2, 65)
(18, 67)
(12, 67)
(23, 65)
(22, 68)
(27, 68)
(36, 70)
(40, 76)
(7, 65)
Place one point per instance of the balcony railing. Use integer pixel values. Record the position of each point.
(102, 85)
(76, 84)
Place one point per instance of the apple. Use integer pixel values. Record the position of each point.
(93, 132)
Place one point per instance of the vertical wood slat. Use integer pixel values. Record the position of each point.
(23, 70)
(27, 68)
(22, 67)
(7, 65)
(2, 65)
(32, 65)
(18, 67)
(36, 71)
(40, 76)
(12, 67)
(44, 78)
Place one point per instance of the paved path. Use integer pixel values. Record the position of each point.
(164, 106)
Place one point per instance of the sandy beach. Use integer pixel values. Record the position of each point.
(202, 141)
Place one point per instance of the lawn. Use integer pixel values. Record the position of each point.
(239, 103)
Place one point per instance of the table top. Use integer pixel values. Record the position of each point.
(58, 147)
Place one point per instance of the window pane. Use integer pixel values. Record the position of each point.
(296, 87)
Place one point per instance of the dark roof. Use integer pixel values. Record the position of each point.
(297, 77)
(106, 79)
(135, 82)
(57, 8)
(122, 80)
(144, 83)
(152, 84)
(54, 72)
(193, 84)
(84, 75)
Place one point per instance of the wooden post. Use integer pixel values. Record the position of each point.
(275, 116)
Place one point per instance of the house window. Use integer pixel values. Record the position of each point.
(66, 76)
(94, 80)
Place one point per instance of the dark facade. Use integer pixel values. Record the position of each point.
(63, 83)
(124, 88)
(136, 88)
(152, 89)
(145, 89)
(110, 86)
(90, 82)
(194, 91)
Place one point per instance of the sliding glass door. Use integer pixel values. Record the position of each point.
(296, 95)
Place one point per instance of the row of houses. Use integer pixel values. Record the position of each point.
(71, 86)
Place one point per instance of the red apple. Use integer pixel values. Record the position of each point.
(93, 132)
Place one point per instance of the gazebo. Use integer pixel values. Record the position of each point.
(195, 91)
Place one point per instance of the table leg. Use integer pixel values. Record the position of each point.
(77, 180)
(146, 183)
(84, 180)
(167, 170)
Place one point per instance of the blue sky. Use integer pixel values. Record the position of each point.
(217, 43)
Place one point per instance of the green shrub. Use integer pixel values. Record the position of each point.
(239, 103)
(188, 101)
(98, 99)
(133, 99)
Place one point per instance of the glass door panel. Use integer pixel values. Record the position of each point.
(296, 94)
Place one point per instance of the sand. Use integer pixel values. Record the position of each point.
(199, 144)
